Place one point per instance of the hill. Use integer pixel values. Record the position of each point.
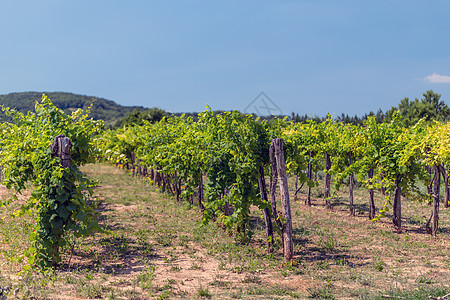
(107, 110)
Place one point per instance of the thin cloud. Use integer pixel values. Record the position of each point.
(436, 78)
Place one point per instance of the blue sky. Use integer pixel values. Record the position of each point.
(309, 57)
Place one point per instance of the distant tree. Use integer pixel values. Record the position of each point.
(430, 107)
(345, 118)
(137, 117)
(380, 116)
(302, 119)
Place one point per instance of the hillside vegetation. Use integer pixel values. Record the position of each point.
(103, 109)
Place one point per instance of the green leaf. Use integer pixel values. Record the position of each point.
(63, 212)
(62, 198)
(36, 193)
(71, 207)
(81, 216)
(57, 223)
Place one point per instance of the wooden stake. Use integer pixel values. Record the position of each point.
(351, 185)
(61, 148)
(436, 190)
(397, 207)
(310, 176)
(371, 195)
(285, 203)
(327, 192)
(267, 217)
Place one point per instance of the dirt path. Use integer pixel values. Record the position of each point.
(155, 248)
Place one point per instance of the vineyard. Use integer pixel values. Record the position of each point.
(223, 207)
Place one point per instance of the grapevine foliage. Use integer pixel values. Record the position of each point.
(59, 196)
(229, 149)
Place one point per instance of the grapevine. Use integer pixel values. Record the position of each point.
(59, 196)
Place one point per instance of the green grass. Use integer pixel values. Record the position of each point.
(155, 247)
(415, 294)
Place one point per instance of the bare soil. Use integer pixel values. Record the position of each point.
(155, 248)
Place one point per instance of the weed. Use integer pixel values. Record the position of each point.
(145, 279)
(328, 243)
(203, 292)
(183, 241)
(111, 295)
(271, 290)
(237, 295)
(165, 291)
(165, 239)
(323, 265)
(93, 291)
(222, 265)
(243, 238)
(362, 279)
(220, 283)
(89, 275)
(379, 265)
(341, 262)
(195, 266)
(175, 269)
(414, 294)
(424, 279)
(251, 279)
(321, 293)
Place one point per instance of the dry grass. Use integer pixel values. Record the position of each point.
(155, 248)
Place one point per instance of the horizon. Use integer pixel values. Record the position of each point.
(217, 110)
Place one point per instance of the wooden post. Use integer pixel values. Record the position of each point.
(436, 190)
(430, 182)
(200, 192)
(227, 208)
(61, 148)
(267, 217)
(286, 206)
(446, 189)
(371, 195)
(273, 188)
(351, 185)
(327, 192)
(177, 186)
(397, 209)
(171, 183)
(296, 185)
(133, 166)
(157, 178)
(310, 176)
(139, 169)
(144, 171)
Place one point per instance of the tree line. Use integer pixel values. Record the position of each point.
(429, 107)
